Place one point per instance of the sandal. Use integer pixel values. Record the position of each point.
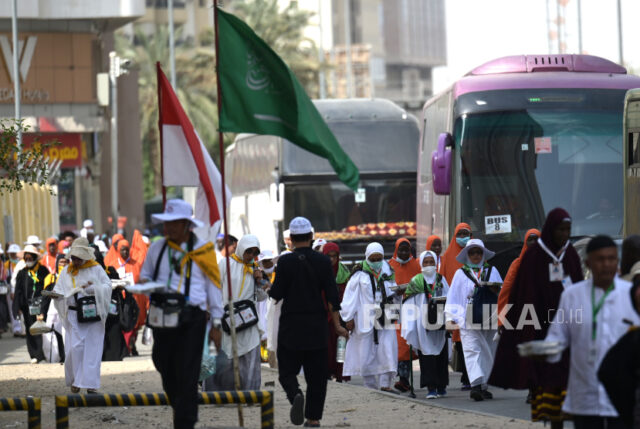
(75, 389)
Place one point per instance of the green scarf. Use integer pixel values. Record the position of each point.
(343, 274)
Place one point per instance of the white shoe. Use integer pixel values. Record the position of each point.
(34, 360)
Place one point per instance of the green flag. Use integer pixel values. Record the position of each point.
(261, 95)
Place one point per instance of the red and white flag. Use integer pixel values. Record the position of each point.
(185, 160)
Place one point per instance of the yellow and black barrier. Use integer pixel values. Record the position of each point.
(29, 404)
(264, 398)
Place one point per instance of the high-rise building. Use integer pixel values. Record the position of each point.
(407, 39)
(64, 45)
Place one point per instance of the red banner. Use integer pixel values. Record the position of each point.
(69, 150)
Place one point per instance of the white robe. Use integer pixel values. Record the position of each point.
(429, 342)
(83, 342)
(477, 344)
(243, 288)
(362, 356)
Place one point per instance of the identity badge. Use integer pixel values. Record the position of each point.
(556, 272)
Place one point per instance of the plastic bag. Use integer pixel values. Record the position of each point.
(50, 347)
(39, 328)
(147, 336)
(208, 365)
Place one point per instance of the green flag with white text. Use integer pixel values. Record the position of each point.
(261, 95)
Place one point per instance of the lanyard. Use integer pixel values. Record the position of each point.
(555, 259)
(595, 308)
(34, 278)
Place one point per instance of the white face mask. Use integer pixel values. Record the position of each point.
(402, 261)
(429, 271)
(269, 270)
(30, 264)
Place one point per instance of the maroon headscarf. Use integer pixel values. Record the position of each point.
(554, 218)
(332, 247)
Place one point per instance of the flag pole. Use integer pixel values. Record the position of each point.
(232, 322)
(164, 189)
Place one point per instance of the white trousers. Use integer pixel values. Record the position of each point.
(479, 352)
(379, 381)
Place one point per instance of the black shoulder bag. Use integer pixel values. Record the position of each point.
(433, 310)
(381, 319)
(481, 294)
(167, 309)
(245, 314)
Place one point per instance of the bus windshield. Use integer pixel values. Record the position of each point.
(517, 165)
(331, 208)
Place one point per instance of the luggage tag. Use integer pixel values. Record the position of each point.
(592, 357)
(34, 310)
(556, 272)
(4, 290)
(171, 319)
(156, 316)
(113, 308)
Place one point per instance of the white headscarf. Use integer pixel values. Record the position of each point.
(374, 248)
(423, 256)
(247, 242)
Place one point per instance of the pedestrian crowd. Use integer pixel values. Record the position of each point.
(305, 309)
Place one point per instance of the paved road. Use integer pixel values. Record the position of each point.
(508, 403)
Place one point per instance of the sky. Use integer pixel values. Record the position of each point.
(481, 30)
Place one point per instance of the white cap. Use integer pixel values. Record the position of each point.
(319, 242)
(176, 209)
(145, 239)
(266, 254)
(101, 246)
(33, 240)
(300, 225)
(13, 248)
(88, 223)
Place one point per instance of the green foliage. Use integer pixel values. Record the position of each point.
(195, 73)
(21, 166)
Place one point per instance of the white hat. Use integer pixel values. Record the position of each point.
(176, 209)
(300, 225)
(80, 249)
(319, 242)
(88, 223)
(13, 248)
(463, 258)
(101, 246)
(30, 248)
(266, 255)
(635, 270)
(33, 239)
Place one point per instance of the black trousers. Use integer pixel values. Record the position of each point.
(434, 369)
(177, 355)
(598, 422)
(465, 377)
(34, 342)
(316, 372)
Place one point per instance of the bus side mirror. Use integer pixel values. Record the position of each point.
(441, 165)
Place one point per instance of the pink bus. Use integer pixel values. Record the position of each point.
(518, 136)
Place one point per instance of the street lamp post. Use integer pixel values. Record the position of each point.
(115, 70)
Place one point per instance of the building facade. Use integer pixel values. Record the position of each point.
(63, 46)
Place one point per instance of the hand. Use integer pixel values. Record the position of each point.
(40, 317)
(342, 332)
(13, 295)
(257, 275)
(143, 281)
(215, 336)
(351, 325)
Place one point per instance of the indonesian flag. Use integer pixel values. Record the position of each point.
(185, 160)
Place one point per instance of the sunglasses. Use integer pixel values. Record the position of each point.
(475, 252)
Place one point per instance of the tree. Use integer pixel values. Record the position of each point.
(195, 73)
(19, 166)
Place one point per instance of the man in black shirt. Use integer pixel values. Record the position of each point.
(301, 279)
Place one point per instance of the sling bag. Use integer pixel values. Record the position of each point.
(433, 310)
(382, 303)
(244, 312)
(168, 309)
(481, 294)
(86, 308)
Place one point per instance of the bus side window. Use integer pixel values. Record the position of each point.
(634, 149)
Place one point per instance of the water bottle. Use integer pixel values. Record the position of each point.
(341, 349)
